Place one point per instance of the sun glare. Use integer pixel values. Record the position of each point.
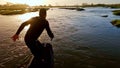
(27, 27)
(24, 18)
(29, 2)
(35, 2)
(27, 16)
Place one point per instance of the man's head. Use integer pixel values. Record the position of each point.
(43, 13)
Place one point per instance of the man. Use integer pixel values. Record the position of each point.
(37, 25)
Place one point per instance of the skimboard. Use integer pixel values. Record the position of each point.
(46, 60)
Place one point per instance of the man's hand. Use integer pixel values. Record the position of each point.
(14, 37)
(52, 37)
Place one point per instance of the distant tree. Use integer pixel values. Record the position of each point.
(9, 4)
(84, 4)
(49, 5)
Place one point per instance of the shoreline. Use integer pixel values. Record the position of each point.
(14, 12)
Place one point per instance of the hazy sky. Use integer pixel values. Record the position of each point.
(59, 2)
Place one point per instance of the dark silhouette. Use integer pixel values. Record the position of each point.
(37, 25)
(46, 60)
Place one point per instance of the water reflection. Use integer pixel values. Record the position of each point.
(27, 16)
(27, 27)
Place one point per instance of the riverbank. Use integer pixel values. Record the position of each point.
(116, 12)
(15, 12)
(12, 12)
(116, 23)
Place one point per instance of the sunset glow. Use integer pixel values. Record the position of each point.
(26, 17)
(29, 2)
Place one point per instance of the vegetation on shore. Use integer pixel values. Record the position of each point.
(116, 22)
(102, 5)
(116, 12)
(13, 9)
(12, 12)
(9, 9)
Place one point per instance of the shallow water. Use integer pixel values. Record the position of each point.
(84, 35)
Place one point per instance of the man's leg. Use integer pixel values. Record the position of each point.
(35, 47)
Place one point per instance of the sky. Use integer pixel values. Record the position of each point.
(60, 2)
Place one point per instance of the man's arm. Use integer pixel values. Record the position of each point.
(16, 36)
(21, 28)
(51, 35)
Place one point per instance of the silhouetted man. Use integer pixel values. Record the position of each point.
(37, 25)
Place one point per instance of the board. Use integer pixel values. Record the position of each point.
(46, 60)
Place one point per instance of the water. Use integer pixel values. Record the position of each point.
(78, 34)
